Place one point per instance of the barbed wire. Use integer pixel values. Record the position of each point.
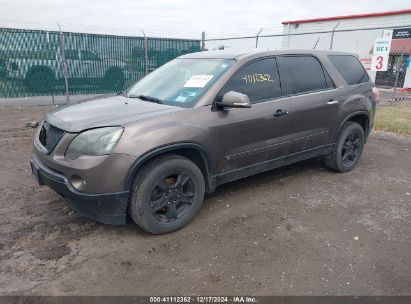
(121, 31)
(159, 32)
(310, 27)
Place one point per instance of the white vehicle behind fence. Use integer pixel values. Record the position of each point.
(42, 70)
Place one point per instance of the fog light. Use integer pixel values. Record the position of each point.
(78, 182)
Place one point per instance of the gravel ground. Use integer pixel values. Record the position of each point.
(298, 230)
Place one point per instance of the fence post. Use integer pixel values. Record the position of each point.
(202, 41)
(288, 35)
(63, 57)
(394, 92)
(332, 35)
(145, 53)
(256, 37)
(315, 45)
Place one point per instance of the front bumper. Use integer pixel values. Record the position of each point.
(107, 208)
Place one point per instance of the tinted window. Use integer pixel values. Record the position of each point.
(330, 82)
(305, 72)
(259, 80)
(350, 68)
(87, 55)
(71, 54)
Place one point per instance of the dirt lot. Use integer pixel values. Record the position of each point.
(299, 230)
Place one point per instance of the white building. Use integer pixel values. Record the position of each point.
(356, 33)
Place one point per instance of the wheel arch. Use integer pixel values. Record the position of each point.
(41, 68)
(360, 117)
(195, 152)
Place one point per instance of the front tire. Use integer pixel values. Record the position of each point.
(347, 149)
(114, 79)
(166, 194)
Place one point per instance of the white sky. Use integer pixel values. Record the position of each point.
(178, 16)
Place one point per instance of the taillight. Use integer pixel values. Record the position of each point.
(375, 93)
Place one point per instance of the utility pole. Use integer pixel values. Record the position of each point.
(145, 53)
(202, 41)
(63, 57)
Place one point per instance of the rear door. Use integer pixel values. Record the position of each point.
(72, 57)
(250, 136)
(313, 100)
(91, 65)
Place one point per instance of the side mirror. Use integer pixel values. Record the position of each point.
(234, 99)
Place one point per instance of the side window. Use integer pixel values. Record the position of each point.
(87, 55)
(71, 54)
(258, 79)
(350, 68)
(305, 73)
(330, 82)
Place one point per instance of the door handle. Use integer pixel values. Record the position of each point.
(280, 112)
(332, 102)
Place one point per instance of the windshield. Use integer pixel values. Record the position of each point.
(180, 82)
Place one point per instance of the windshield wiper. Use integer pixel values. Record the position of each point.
(147, 98)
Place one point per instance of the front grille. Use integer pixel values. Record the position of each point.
(50, 136)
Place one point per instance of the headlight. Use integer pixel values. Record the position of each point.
(99, 141)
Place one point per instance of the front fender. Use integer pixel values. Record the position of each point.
(162, 150)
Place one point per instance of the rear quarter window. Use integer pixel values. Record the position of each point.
(350, 68)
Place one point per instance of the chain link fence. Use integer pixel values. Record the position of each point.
(38, 62)
(337, 38)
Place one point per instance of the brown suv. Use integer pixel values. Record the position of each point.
(197, 122)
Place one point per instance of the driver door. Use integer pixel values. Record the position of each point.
(250, 136)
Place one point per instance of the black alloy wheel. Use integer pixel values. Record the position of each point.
(351, 149)
(166, 194)
(172, 197)
(347, 149)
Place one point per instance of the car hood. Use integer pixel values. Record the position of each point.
(106, 111)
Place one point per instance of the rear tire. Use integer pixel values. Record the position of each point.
(166, 194)
(347, 149)
(40, 81)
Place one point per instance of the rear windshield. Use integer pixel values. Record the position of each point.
(350, 68)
